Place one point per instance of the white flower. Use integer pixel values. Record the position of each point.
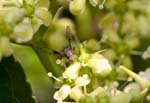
(23, 32)
(65, 91)
(62, 93)
(82, 81)
(99, 65)
(72, 71)
(145, 74)
(76, 93)
(131, 86)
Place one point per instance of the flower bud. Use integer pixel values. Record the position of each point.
(76, 93)
(54, 43)
(23, 32)
(99, 65)
(77, 6)
(44, 15)
(14, 15)
(62, 93)
(72, 71)
(63, 23)
(5, 47)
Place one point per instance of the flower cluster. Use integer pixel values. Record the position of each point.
(19, 20)
(86, 81)
(75, 80)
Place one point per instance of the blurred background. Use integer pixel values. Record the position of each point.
(122, 27)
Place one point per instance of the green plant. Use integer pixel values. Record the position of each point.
(94, 51)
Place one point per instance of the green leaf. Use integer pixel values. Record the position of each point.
(13, 85)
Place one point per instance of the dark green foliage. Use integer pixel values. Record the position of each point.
(13, 85)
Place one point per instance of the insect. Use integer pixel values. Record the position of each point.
(68, 51)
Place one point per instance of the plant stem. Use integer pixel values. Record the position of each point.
(144, 83)
(37, 44)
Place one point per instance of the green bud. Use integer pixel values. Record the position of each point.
(84, 57)
(90, 43)
(63, 23)
(44, 15)
(23, 32)
(129, 22)
(132, 42)
(112, 35)
(110, 54)
(144, 83)
(54, 43)
(77, 6)
(72, 71)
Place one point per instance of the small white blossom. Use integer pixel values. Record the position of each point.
(99, 65)
(83, 81)
(76, 93)
(62, 93)
(23, 32)
(72, 71)
(50, 74)
(148, 97)
(131, 86)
